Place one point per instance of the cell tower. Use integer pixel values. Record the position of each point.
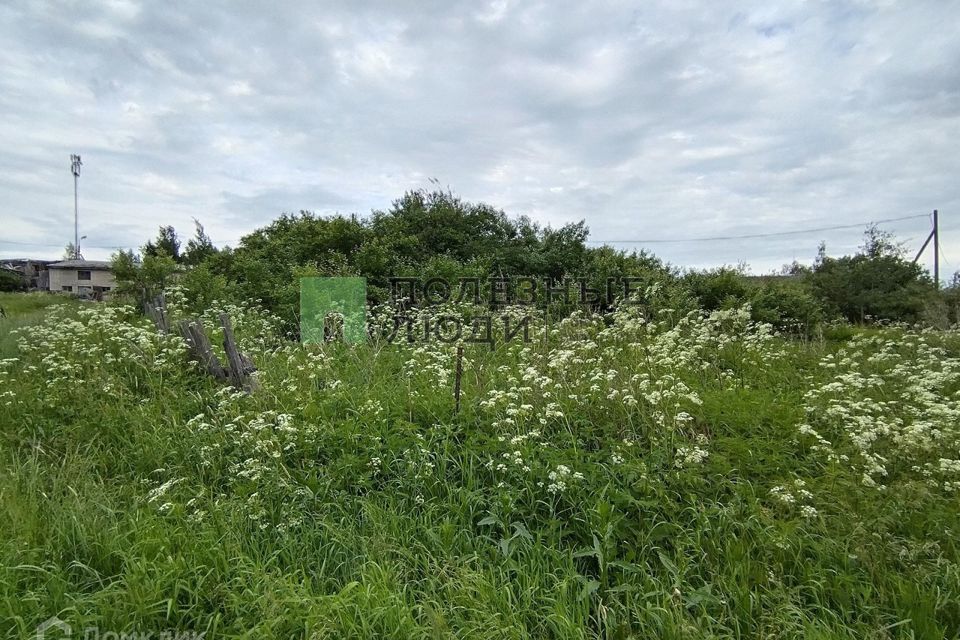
(75, 168)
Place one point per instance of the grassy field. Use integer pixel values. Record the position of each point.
(618, 477)
(22, 310)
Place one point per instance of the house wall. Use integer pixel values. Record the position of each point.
(60, 278)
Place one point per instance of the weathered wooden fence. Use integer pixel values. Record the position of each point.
(238, 367)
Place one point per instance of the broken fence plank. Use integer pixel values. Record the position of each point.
(239, 366)
(201, 349)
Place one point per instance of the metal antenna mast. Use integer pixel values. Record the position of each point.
(75, 168)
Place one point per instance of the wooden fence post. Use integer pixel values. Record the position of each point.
(157, 311)
(238, 366)
(459, 378)
(201, 350)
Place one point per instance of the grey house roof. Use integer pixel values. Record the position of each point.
(81, 264)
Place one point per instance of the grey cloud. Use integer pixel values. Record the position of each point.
(646, 119)
(269, 204)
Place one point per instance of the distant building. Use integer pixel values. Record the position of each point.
(87, 278)
(34, 272)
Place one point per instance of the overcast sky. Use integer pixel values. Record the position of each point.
(650, 120)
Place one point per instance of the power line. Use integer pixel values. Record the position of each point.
(648, 240)
(759, 235)
(944, 257)
(41, 244)
(89, 246)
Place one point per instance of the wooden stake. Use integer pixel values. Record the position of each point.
(459, 378)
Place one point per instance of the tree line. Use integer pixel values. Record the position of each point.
(434, 233)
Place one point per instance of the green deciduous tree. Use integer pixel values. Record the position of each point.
(166, 243)
(199, 247)
(144, 279)
(876, 283)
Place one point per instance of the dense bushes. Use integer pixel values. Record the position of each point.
(876, 283)
(786, 302)
(11, 281)
(429, 234)
(788, 305)
(861, 288)
(718, 288)
(950, 301)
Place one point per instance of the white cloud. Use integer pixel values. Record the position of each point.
(651, 120)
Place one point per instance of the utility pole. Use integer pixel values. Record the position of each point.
(935, 236)
(75, 169)
(936, 248)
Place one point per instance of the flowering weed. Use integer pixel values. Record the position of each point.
(634, 474)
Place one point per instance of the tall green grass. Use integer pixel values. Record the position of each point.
(346, 499)
(24, 310)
